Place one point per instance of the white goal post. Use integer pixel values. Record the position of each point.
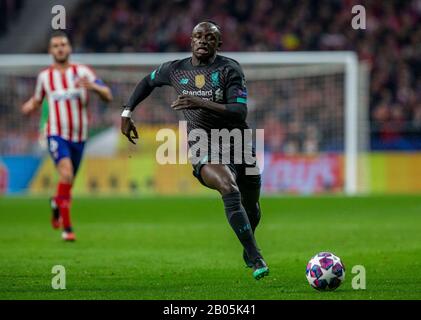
(348, 60)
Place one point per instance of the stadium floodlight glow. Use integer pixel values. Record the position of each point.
(312, 61)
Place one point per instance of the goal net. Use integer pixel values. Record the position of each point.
(311, 105)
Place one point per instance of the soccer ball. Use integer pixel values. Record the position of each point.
(325, 271)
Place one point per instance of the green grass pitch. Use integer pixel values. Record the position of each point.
(183, 248)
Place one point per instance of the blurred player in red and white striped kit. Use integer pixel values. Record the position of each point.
(65, 85)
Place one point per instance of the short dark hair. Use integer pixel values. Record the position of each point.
(215, 24)
(59, 33)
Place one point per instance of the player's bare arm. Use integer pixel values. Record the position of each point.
(103, 91)
(61, 49)
(31, 105)
(142, 90)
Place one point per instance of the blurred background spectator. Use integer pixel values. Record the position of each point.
(9, 9)
(391, 46)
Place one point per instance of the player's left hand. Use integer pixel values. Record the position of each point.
(85, 83)
(128, 128)
(186, 102)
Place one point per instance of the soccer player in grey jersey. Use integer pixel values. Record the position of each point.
(212, 95)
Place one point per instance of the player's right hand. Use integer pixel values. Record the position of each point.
(27, 107)
(129, 129)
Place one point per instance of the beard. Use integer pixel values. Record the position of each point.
(61, 59)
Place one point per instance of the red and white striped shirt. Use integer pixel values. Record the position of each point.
(67, 103)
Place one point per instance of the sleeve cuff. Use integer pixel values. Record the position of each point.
(126, 113)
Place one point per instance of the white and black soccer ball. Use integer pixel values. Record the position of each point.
(325, 271)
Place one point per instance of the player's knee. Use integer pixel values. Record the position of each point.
(227, 186)
(255, 214)
(65, 171)
(66, 176)
(252, 208)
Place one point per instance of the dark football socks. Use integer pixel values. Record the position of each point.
(254, 216)
(237, 218)
(252, 207)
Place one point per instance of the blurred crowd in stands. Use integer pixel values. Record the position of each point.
(391, 44)
(9, 10)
